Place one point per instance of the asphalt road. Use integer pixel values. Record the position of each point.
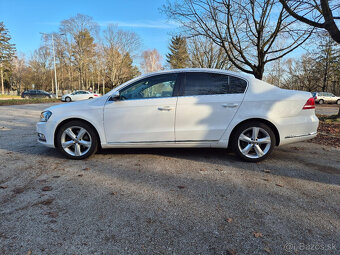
(327, 109)
(163, 201)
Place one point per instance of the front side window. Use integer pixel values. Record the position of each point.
(153, 87)
(212, 84)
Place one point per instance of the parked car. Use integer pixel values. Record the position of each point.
(37, 94)
(183, 108)
(79, 95)
(325, 97)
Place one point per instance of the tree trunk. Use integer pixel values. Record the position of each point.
(2, 80)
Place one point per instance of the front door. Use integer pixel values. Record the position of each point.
(145, 112)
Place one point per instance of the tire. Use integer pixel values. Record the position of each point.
(338, 101)
(90, 97)
(68, 99)
(321, 101)
(249, 147)
(77, 147)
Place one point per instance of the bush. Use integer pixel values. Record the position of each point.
(29, 101)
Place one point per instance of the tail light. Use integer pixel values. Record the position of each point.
(95, 95)
(310, 104)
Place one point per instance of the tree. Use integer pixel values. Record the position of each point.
(151, 61)
(247, 30)
(178, 56)
(318, 14)
(204, 53)
(40, 65)
(119, 47)
(79, 32)
(7, 51)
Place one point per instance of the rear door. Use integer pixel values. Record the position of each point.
(206, 105)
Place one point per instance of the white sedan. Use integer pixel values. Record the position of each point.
(183, 108)
(79, 95)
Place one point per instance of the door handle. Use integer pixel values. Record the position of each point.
(165, 108)
(229, 105)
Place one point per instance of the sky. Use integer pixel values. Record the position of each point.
(25, 19)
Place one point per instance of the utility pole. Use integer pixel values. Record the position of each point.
(55, 68)
(2, 79)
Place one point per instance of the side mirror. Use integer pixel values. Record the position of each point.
(115, 96)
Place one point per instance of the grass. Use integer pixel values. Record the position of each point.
(329, 119)
(29, 101)
(8, 96)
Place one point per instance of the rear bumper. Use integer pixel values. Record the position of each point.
(300, 128)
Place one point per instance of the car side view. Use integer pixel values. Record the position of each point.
(183, 108)
(79, 95)
(326, 97)
(36, 94)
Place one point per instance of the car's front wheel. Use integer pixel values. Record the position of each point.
(253, 141)
(77, 140)
(68, 99)
(321, 101)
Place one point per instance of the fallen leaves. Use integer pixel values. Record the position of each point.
(278, 184)
(231, 252)
(18, 190)
(229, 220)
(47, 201)
(52, 214)
(328, 134)
(266, 171)
(3, 186)
(267, 249)
(86, 169)
(46, 188)
(181, 187)
(257, 234)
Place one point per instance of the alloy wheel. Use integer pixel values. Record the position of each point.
(76, 141)
(254, 142)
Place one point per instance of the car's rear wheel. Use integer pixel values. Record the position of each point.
(321, 101)
(68, 99)
(253, 141)
(77, 140)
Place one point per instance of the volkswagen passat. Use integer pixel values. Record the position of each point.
(183, 108)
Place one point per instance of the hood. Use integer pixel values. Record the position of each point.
(84, 104)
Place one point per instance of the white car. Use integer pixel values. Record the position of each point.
(79, 95)
(183, 108)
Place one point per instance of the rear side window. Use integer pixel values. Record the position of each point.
(212, 84)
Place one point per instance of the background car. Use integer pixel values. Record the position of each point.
(79, 95)
(183, 108)
(36, 94)
(326, 97)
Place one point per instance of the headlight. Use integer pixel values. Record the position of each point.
(44, 116)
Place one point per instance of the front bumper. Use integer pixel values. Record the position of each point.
(45, 134)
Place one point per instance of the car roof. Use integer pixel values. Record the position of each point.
(183, 70)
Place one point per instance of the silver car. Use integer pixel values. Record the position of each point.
(326, 97)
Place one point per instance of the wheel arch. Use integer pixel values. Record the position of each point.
(72, 119)
(267, 122)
